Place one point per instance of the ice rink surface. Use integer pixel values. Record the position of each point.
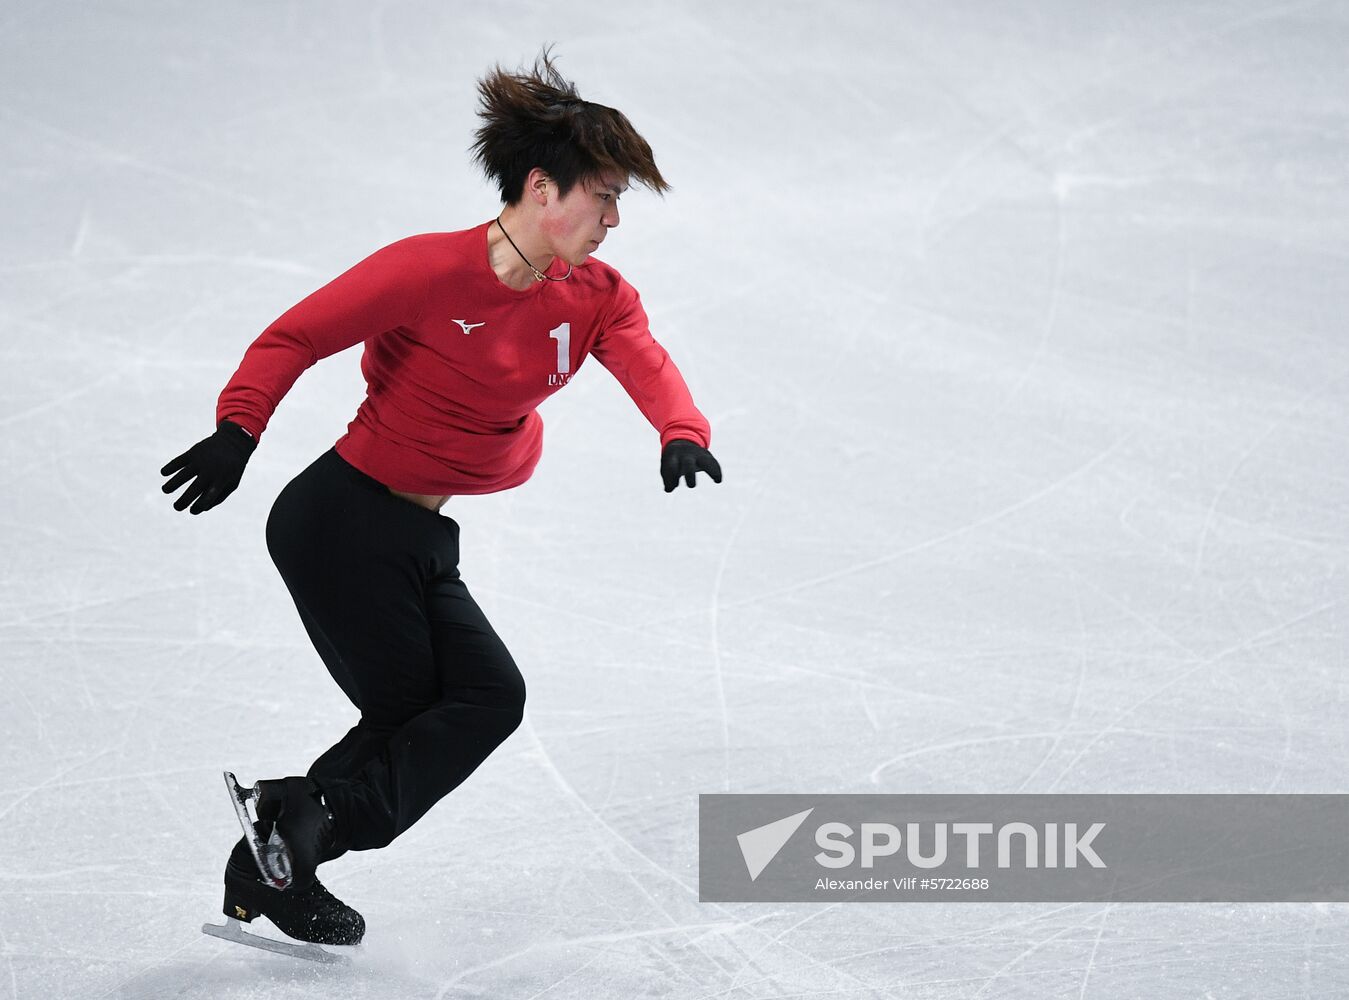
(1021, 329)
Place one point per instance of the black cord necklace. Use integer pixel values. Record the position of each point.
(538, 275)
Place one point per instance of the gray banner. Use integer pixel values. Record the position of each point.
(1023, 848)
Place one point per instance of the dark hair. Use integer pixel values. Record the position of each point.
(535, 118)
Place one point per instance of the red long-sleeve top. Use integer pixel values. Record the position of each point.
(456, 362)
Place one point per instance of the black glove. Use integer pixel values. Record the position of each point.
(684, 458)
(214, 465)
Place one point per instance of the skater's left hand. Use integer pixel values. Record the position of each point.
(682, 458)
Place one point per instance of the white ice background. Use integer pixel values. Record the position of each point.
(1021, 329)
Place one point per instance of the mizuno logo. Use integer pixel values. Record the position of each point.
(469, 327)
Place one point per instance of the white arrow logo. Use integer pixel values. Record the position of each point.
(468, 326)
(761, 845)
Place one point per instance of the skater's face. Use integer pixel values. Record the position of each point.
(576, 223)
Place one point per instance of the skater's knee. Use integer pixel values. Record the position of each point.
(518, 690)
(513, 703)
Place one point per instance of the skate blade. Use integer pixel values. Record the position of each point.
(273, 857)
(231, 931)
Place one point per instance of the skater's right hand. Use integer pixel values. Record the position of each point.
(212, 467)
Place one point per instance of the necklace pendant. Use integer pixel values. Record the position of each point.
(538, 275)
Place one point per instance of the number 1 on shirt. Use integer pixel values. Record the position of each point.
(562, 335)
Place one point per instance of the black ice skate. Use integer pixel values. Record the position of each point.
(289, 832)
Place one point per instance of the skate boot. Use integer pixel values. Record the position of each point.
(310, 914)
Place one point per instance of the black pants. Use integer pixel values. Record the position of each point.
(376, 581)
